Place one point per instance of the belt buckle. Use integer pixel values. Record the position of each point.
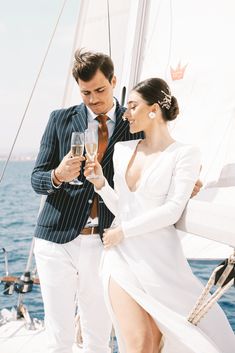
(89, 230)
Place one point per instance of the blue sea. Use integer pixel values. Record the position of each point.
(18, 212)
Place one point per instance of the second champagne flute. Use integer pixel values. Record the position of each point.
(91, 144)
(77, 149)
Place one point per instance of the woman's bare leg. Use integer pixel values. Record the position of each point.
(138, 329)
(157, 335)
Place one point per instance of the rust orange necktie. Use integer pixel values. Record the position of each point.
(103, 138)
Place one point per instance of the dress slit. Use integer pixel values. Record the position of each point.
(132, 298)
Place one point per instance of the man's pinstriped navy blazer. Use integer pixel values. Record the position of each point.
(67, 208)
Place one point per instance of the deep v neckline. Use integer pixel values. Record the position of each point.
(144, 172)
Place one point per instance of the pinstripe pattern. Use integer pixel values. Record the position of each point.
(66, 209)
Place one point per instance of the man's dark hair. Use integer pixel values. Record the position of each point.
(87, 63)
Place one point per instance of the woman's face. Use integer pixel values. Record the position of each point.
(137, 113)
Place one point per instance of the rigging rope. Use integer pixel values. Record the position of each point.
(224, 277)
(109, 32)
(33, 90)
(170, 40)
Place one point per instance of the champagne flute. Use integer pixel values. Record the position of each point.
(77, 149)
(91, 144)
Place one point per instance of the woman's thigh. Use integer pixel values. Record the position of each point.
(136, 326)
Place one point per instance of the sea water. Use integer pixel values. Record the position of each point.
(18, 213)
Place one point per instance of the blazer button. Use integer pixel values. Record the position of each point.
(90, 201)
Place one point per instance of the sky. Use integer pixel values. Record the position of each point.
(26, 27)
(25, 30)
(202, 37)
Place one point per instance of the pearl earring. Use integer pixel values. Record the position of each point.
(152, 115)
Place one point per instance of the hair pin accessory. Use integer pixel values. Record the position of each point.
(166, 101)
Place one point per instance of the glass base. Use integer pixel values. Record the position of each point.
(75, 182)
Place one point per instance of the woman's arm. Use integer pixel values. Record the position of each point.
(109, 197)
(101, 184)
(183, 180)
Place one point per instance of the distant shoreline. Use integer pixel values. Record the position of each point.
(18, 159)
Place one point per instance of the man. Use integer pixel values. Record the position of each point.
(72, 220)
(67, 248)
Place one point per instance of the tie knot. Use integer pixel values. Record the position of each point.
(102, 119)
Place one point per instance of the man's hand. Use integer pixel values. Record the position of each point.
(197, 188)
(68, 169)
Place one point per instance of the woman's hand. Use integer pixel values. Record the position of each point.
(96, 167)
(112, 237)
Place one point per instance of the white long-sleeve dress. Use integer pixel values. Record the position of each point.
(149, 263)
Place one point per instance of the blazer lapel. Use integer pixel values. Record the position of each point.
(118, 135)
(79, 119)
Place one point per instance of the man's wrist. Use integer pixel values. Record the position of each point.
(56, 179)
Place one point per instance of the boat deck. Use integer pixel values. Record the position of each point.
(15, 338)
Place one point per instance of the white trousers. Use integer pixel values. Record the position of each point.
(67, 270)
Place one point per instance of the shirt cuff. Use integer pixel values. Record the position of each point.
(54, 186)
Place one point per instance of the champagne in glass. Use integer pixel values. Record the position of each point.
(77, 149)
(91, 144)
(91, 149)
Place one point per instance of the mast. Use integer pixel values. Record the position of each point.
(135, 45)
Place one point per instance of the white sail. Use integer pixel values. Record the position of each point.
(187, 38)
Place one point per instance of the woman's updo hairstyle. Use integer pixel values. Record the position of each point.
(156, 90)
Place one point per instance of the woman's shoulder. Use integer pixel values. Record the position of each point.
(186, 148)
(187, 154)
(126, 144)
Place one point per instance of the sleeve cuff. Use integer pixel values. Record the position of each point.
(54, 186)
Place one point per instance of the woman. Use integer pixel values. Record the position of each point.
(149, 286)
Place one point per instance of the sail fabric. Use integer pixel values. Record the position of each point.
(192, 34)
(186, 46)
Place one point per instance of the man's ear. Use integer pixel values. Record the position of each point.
(114, 81)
